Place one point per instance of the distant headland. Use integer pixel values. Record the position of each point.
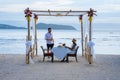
(41, 26)
(6, 26)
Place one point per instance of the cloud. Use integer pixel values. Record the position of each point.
(103, 6)
(107, 20)
(107, 10)
(52, 4)
(12, 8)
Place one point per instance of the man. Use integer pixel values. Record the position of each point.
(49, 39)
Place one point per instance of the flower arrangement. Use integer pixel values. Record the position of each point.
(28, 14)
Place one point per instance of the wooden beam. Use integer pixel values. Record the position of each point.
(57, 15)
(58, 11)
(68, 12)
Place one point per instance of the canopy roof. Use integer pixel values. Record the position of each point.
(60, 13)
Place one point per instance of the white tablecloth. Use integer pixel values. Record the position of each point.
(60, 52)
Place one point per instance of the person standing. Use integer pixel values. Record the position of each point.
(49, 39)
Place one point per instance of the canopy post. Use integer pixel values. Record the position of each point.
(81, 21)
(35, 20)
(86, 47)
(90, 38)
(28, 15)
(90, 15)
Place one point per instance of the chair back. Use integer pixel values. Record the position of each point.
(76, 49)
(43, 50)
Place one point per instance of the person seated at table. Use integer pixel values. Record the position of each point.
(72, 48)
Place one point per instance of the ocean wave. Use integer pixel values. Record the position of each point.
(11, 39)
(115, 36)
(69, 38)
(106, 39)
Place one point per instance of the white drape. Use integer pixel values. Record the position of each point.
(28, 44)
(91, 45)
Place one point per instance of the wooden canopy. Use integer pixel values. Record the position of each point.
(86, 51)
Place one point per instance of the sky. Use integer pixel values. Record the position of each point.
(108, 11)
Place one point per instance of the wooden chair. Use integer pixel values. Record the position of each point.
(46, 54)
(72, 55)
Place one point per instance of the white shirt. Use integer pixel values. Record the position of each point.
(49, 36)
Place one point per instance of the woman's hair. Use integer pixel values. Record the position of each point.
(74, 39)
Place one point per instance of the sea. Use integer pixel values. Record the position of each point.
(13, 41)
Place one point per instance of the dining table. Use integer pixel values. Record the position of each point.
(60, 52)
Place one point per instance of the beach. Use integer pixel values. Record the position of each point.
(14, 67)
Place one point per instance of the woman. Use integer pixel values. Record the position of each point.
(72, 48)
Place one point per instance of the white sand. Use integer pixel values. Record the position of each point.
(13, 67)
